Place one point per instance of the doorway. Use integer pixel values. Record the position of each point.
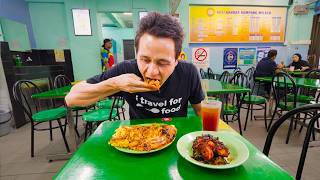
(128, 49)
(314, 49)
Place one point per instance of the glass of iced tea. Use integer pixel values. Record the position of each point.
(210, 113)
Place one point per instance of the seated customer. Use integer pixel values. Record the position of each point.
(267, 66)
(156, 84)
(298, 63)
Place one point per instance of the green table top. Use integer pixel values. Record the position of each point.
(95, 159)
(215, 87)
(54, 93)
(300, 82)
(298, 72)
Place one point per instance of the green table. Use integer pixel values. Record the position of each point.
(53, 94)
(95, 159)
(215, 87)
(298, 73)
(300, 82)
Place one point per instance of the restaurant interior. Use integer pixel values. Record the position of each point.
(252, 124)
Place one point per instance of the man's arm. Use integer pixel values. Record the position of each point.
(197, 108)
(84, 94)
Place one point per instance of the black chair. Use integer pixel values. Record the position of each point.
(33, 108)
(253, 99)
(284, 91)
(203, 74)
(233, 102)
(308, 94)
(237, 70)
(224, 77)
(311, 108)
(211, 75)
(95, 117)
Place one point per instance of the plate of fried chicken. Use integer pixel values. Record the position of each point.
(215, 150)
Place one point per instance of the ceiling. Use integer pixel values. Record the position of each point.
(120, 20)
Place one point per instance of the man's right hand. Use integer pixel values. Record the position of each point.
(132, 83)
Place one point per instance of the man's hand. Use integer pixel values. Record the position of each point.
(304, 68)
(132, 83)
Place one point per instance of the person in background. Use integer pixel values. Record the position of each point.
(298, 63)
(267, 66)
(107, 59)
(182, 56)
(156, 84)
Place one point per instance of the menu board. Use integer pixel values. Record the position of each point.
(236, 24)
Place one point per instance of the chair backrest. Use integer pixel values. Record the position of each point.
(203, 74)
(303, 109)
(22, 91)
(236, 70)
(283, 85)
(239, 78)
(211, 75)
(313, 74)
(249, 73)
(224, 77)
(61, 80)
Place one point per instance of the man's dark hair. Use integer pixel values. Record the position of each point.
(272, 53)
(105, 41)
(162, 26)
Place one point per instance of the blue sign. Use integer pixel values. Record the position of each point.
(230, 58)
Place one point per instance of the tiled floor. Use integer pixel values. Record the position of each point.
(16, 163)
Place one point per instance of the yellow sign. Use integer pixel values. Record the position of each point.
(237, 24)
(59, 55)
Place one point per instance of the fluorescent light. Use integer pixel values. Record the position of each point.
(127, 13)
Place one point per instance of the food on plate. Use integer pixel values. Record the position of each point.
(210, 150)
(153, 82)
(143, 137)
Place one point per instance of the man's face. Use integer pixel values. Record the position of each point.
(295, 58)
(156, 57)
(108, 45)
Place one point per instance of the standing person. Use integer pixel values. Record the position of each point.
(155, 84)
(107, 59)
(298, 63)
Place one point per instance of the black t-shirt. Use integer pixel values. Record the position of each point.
(183, 85)
(299, 64)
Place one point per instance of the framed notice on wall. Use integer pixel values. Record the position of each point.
(237, 24)
(81, 22)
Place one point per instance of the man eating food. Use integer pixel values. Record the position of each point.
(154, 85)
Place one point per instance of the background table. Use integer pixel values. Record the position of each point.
(300, 82)
(96, 159)
(215, 87)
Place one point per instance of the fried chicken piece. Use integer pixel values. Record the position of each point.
(153, 82)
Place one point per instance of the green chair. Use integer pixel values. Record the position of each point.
(99, 115)
(233, 101)
(306, 95)
(107, 104)
(22, 92)
(283, 85)
(253, 100)
(61, 81)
